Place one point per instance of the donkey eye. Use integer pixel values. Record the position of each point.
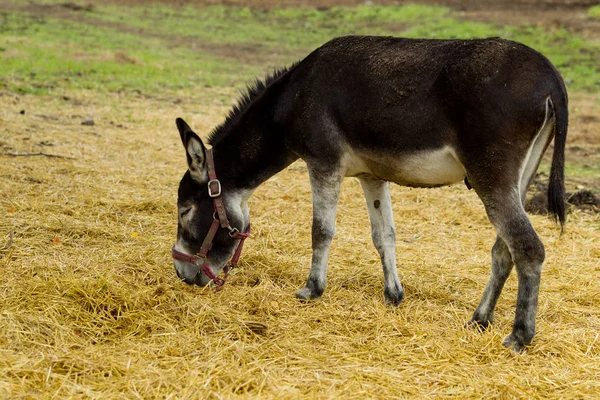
(184, 212)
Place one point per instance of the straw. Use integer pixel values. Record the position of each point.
(90, 306)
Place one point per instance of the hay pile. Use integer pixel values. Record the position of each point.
(90, 306)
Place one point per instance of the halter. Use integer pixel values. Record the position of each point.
(219, 221)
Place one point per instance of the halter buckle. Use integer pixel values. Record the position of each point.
(217, 191)
(233, 232)
(198, 260)
(218, 282)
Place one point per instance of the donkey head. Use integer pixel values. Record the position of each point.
(196, 213)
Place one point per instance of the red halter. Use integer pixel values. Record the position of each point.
(219, 220)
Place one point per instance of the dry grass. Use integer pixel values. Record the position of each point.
(90, 306)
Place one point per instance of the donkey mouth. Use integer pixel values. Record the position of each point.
(189, 273)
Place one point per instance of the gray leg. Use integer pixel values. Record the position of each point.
(527, 252)
(379, 204)
(516, 243)
(501, 267)
(525, 247)
(325, 191)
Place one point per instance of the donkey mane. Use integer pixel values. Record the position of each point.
(253, 91)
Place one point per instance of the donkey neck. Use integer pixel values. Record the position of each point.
(254, 149)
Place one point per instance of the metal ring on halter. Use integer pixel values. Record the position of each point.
(218, 191)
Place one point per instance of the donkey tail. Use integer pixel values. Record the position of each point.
(556, 187)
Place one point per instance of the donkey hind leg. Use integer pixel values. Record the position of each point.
(379, 205)
(517, 243)
(325, 188)
(528, 254)
(502, 265)
(526, 248)
(502, 258)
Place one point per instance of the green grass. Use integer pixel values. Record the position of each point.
(582, 170)
(290, 28)
(40, 55)
(173, 47)
(581, 167)
(300, 30)
(594, 12)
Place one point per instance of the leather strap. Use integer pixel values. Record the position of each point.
(207, 243)
(213, 181)
(238, 251)
(219, 220)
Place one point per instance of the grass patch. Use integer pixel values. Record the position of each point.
(574, 168)
(298, 31)
(582, 171)
(159, 47)
(42, 54)
(289, 28)
(594, 12)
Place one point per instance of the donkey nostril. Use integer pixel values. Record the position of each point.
(181, 274)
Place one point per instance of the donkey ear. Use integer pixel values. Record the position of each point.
(195, 151)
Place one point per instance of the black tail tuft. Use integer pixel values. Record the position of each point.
(556, 187)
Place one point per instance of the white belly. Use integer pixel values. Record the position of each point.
(424, 168)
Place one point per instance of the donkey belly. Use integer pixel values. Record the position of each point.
(423, 168)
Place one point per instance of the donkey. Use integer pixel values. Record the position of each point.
(420, 113)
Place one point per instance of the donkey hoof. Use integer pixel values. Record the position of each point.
(480, 324)
(515, 344)
(393, 297)
(305, 294)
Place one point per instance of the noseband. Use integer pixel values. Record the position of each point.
(219, 221)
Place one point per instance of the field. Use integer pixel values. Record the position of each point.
(90, 161)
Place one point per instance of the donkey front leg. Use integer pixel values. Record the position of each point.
(325, 192)
(379, 205)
